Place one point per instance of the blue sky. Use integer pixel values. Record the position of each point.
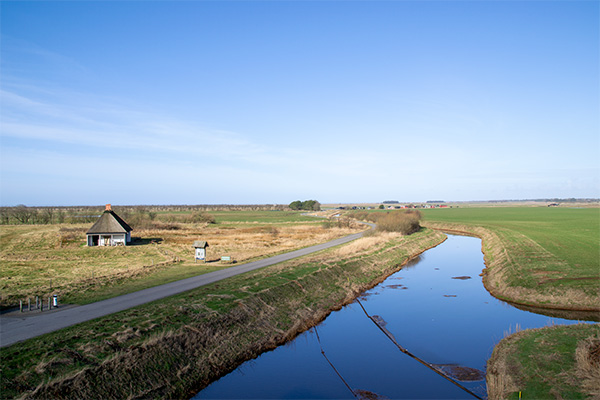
(202, 102)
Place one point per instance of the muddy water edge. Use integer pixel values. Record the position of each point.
(435, 309)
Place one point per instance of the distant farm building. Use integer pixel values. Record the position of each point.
(109, 230)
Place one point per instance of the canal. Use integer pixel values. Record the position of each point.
(435, 308)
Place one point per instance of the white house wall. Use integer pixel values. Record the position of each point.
(110, 240)
(118, 239)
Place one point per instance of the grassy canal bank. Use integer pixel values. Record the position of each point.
(174, 347)
(558, 362)
(547, 258)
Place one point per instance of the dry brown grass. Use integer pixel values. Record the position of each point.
(502, 372)
(244, 243)
(39, 260)
(587, 356)
(368, 242)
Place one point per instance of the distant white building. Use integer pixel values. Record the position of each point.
(109, 230)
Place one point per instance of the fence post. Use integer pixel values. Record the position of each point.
(28, 304)
(21, 305)
(49, 303)
(37, 301)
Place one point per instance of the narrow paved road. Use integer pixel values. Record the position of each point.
(18, 327)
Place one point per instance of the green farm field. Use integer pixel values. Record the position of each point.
(572, 234)
(263, 217)
(551, 251)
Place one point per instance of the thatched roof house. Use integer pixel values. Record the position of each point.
(109, 230)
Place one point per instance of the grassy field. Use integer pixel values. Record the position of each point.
(560, 362)
(571, 234)
(40, 260)
(263, 217)
(176, 346)
(539, 256)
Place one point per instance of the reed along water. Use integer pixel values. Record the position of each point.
(436, 309)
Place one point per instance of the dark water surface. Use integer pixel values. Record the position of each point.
(436, 308)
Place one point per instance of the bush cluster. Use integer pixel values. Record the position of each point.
(405, 222)
(309, 205)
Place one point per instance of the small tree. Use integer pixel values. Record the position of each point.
(296, 205)
(22, 213)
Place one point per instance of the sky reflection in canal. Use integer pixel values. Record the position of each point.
(437, 318)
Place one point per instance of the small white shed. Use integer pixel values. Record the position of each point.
(200, 247)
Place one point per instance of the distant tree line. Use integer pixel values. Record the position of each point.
(309, 205)
(22, 214)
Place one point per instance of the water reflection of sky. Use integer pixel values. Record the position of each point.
(437, 318)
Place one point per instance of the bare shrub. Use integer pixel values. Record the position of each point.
(403, 222)
(336, 223)
(201, 218)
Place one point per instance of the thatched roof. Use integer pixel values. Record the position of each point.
(200, 243)
(109, 222)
